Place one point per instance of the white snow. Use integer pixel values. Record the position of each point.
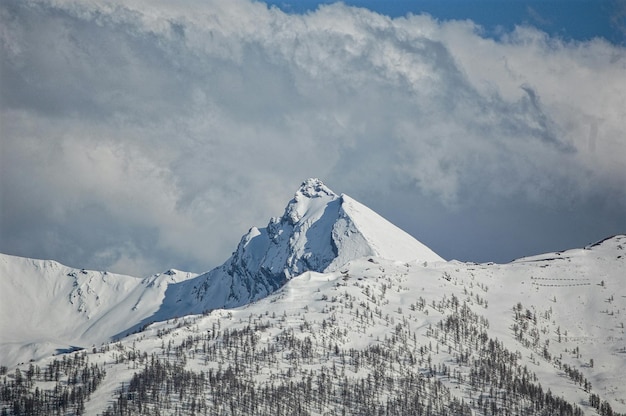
(567, 292)
(46, 306)
(385, 239)
(319, 231)
(333, 270)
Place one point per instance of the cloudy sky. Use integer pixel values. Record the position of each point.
(141, 135)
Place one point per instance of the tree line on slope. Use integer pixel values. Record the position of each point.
(293, 365)
(72, 380)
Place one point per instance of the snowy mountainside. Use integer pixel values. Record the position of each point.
(330, 309)
(46, 307)
(319, 231)
(541, 335)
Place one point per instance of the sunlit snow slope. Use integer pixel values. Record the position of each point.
(46, 307)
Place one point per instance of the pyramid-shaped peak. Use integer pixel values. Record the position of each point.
(314, 188)
(320, 231)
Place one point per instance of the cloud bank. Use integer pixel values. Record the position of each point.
(142, 135)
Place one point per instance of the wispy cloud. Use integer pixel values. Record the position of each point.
(143, 135)
(537, 18)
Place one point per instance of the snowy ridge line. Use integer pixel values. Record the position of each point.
(600, 242)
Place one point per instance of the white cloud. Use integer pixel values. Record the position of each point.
(155, 133)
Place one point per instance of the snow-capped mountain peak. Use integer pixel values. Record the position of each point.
(311, 195)
(319, 231)
(314, 188)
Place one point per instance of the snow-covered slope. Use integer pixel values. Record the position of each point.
(382, 239)
(556, 320)
(541, 335)
(46, 307)
(331, 310)
(319, 231)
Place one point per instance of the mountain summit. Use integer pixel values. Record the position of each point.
(319, 231)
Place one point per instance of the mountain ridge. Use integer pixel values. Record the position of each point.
(384, 326)
(73, 307)
(319, 231)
